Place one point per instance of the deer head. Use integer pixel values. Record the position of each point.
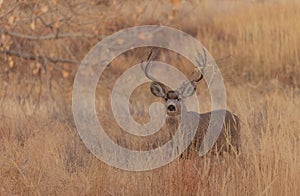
(173, 98)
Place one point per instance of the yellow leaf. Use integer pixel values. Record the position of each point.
(37, 68)
(44, 9)
(10, 62)
(11, 19)
(57, 24)
(65, 73)
(32, 25)
(35, 71)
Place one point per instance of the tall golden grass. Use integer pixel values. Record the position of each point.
(258, 48)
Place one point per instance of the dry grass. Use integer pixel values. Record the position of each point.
(41, 152)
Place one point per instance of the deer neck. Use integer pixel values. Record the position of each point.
(173, 121)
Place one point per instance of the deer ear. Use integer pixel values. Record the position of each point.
(189, 90)
(158, 89)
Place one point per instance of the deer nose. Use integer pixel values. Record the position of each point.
(171, 108)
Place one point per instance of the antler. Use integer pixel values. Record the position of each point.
(147, 67)
(201, 65)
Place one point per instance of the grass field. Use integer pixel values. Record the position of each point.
(257, 48)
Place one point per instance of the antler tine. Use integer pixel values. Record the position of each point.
(201, 65)
(147, 67)
(200, 76)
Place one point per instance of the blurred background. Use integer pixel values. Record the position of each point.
(255, 44)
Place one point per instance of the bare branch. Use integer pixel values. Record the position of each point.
(9, 11)
(47, 37)
(39, 57)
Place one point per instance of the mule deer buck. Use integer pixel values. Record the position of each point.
(229, 138)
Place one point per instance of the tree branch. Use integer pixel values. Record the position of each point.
(39, 57)
(47, 37)
(9, 11)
